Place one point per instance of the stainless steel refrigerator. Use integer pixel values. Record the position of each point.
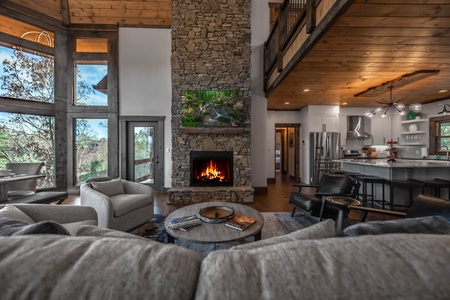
(324, 153)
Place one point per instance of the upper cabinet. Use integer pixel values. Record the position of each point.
(414, 132)
(381, 130)
(323, 123)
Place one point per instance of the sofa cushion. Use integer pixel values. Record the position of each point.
(11, 211)
(10, 227)
(394, 266)
(125, 203)
(73, 227)
(65, 267)
(109, 188)
(431, 224)
(321, 230)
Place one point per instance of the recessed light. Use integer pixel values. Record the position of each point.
(443, 91)
(287, 103)
(345, 103)
(306, 90)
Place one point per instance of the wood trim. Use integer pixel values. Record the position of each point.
(65, 11)
(12, 105)
(16, 41)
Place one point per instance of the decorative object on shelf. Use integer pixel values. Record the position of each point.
(444, 110)
(415, 109)
(413, 127)
(411, 116)
(399, 107)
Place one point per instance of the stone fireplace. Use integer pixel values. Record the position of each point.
(211, 51)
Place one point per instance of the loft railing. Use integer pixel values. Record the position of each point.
(291, 15)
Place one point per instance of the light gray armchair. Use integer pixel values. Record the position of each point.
(69, 216)
(24, 187)
(120, 204)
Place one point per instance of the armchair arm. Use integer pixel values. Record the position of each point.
(365, 210)
(136, 188)
(100, 202)
(302, 185)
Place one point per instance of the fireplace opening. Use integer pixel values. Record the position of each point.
(211, 168)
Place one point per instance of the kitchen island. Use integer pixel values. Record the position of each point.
(400, 169)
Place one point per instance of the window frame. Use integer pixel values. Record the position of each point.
(434, 123)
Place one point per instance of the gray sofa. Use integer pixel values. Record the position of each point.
(306, 264)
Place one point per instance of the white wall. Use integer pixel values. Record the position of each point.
(145, 80)
(260, 32)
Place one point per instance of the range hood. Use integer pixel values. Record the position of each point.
(356, 128)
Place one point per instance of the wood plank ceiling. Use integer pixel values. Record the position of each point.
(373, 42)
(143, 13)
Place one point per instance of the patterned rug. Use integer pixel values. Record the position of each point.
(275, 224)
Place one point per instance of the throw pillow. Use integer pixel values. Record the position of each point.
(109, 188)
(10, 227)
(430, 224)
(321, 230)
(11, 211)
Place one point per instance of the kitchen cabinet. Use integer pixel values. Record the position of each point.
(342, 128)
(382, 130)
(414, 132)
(317, 123)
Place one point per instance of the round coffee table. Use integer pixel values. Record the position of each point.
(214, 233)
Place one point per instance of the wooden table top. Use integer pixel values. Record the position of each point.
(214, 233)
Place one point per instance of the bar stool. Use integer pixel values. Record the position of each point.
(436, 185)
(409, 183)
(366, 180)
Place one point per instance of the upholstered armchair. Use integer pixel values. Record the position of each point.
(120, 204)
(70, 217)
(329, 184)
(24, 187)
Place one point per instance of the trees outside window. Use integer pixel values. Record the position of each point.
(28, 75)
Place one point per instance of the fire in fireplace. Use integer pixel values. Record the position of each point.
(211, 168)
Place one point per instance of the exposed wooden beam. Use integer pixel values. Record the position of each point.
(65, 12)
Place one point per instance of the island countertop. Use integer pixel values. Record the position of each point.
(398, 163)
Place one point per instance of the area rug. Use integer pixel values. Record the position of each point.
(275, 224)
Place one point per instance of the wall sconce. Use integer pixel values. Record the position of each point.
(445, 111)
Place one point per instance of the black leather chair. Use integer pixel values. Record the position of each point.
(329, 184)
(422, 206)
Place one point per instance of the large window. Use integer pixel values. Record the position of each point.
(91, 149)
(55, 107)
(28, 138)
(91, 83)
(25, 75)
(439, 135)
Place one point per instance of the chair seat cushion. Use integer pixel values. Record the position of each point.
(305, 201)
(125, 203)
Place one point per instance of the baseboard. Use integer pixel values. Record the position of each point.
(270, 180)
(261, 190)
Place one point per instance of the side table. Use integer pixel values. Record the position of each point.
(342, 204)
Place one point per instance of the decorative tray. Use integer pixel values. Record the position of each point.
(216, 214)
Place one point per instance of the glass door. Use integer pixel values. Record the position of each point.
(144, 154)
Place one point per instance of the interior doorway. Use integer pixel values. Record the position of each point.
(287, 150)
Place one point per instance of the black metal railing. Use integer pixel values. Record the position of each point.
(291, 15)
